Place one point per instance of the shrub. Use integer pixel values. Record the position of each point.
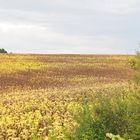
(117, 114)
(137, 75)
(88, 129)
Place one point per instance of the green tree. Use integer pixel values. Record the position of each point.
(3, 50)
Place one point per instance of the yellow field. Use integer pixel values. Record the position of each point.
(39, 94)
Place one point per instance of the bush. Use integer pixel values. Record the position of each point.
(116, 114)
(89, 129)
(137, 75)
(3, 51)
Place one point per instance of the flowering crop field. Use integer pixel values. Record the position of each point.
(41, 94)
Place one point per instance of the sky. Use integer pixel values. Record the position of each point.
(70, 26)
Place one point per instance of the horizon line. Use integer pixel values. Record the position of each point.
(29, 53)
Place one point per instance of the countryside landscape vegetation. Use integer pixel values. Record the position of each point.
(69, 69)
(69, 97)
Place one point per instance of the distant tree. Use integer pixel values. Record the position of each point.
(3, 50)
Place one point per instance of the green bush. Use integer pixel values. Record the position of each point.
(89, 129)
(117, 114)
(137, 75)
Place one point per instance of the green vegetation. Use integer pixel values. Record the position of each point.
(118, 114)
(137, 68)
(3, 51)
(114, 137)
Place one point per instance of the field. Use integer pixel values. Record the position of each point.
(42, 95)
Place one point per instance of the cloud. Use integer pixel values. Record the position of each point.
(37, 36)
(7, 27)
(68, 26)
(107, 6)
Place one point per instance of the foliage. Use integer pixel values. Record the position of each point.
(3, 51)
(41, 97)
(114, 137)
(135, 64)
(137, 75)
(118, 114)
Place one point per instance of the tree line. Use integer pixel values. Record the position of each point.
(2, 50)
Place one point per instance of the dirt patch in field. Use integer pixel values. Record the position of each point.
(60, 77)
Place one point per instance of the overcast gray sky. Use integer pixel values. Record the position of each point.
(70, 26)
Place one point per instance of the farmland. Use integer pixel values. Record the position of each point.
(42, 95)
(53, 71)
